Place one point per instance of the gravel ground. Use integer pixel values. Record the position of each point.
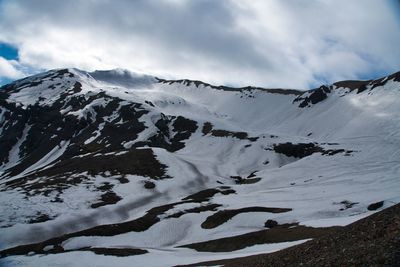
(372, 241)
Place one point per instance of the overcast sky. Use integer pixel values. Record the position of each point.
(270, 43)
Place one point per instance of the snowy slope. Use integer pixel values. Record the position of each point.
(139, 165)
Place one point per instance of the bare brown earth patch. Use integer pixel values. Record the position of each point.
(118, 252)
(206, 194)
(273, 235)
(372, 241)
(208, 129)
(223, 216)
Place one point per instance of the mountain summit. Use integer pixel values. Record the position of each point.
(129, 169)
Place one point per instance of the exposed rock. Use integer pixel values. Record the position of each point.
(270, 223)
(107, 198)
(223, 216)
(149, 185)
(313, 96)
(375, 206)
(302, 150)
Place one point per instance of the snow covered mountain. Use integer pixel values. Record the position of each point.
(124, 169)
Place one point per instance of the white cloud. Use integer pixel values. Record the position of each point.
(8, 69)
(285, 43)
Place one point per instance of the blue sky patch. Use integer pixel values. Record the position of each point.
(4, 81)
(8, 51)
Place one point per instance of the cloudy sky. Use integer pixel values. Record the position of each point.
(270, 43)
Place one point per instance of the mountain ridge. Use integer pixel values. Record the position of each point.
(351, 84)
(92, 164)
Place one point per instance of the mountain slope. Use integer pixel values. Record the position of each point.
(112, 160)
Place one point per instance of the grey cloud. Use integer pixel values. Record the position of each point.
(267, 43)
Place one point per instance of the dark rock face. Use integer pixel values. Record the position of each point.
(297, 150)
(149, 185)
(302, 150)
(271, 223)
(118, 252)
(395, 77)
(182, 128)
(375, 206)
(314, 96)
(107, 199)
(360, 86)
(225, 133)
(208, 129)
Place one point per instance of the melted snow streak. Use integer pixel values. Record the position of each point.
(151, 172)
